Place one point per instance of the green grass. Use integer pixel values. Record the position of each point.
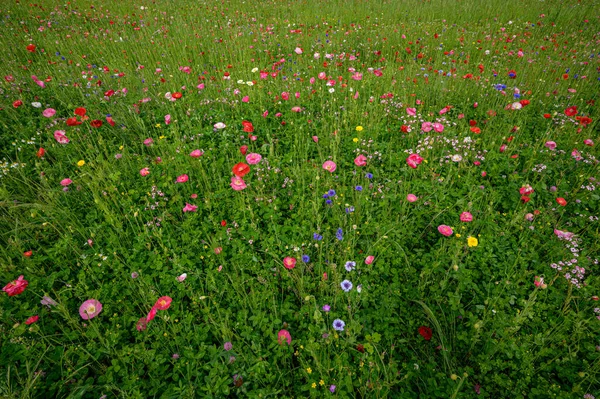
(494, 333)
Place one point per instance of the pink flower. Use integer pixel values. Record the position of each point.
(563, 234)
(218, 250)
(32, 319)
(90, 309)
(466, 217)
(167, 119)
(38, 82)
(151, 315)
(182, 277)
(538, 281)
(315, 139)
(550, 144)
(426, 127)
(284, 336)
(245, 99)
(588, 142)
(141, 324)
(526, 190)
(49, 112)
(285, 95)
(253, 158)
(443, 110)
(16, 287)
(163, 303)
(411, 111)
(360, 160)
(66, 182)
(329, 166)
(576, 155)
(438, 127)
(412, 198)
(148, 142)
(445, 230)
(369, 259)
(414, 160)
(196, 154)
(60, 137)
(289, 263)
(298, 50)
(200, 86)
(237, 183)
(182, 178)
(296, 109)
(145, 172)
(189, 208)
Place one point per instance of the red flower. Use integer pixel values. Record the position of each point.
(16, 287)
(584, 120)
(40, 153)
(80, 111)
(110, 121)
(475, 130)
(28, 254)
(177, 95)
(524, 102)
(525, 199)
(571, 111)
(404, 129)
(223, 223)
(73, 121)
(547, 116)
(163, 303)
(360, 348)
(31, 48)
(425, 332)
(109, 93)
(244, 149)
(241, 169)
(32, 319)
(17, 103)
(472, 123)
(96, 123)
(561, 201)
(248, 128)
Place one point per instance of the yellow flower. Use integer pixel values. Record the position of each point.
(355, 139)
(457, 235)
(314, 385)
(309, 370)
(359, 128)
(472, 241)
(321, 382)
(157, 125)
(161, 137)
(81, 163)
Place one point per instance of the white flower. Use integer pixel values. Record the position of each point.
(317, 56)
(331, 90)
(220, 125)
(516, 105)
(254, 70)
(36, 105)
(250, 83)
(240, 82)
(456, 158)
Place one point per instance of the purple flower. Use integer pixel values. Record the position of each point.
(326, 308)
(175, 356)
(357, 188)
(340, 234)
(338, 325)
(227, 346)
(305, 258)
(350, 265)
(346, 285)
(317, 237)
(332, 388)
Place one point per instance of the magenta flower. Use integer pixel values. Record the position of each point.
(360, 160)
(49, 112)
(284, 336)
(445, 230)
(412, 198)
(182, 178)
(253, 158)
(196, 154)
(369, 259)
(329, 166)
(466, 217)
(66, 182)
(190, 208)
(550, 145)
(90, 309)
(60, 137)
(414, 160)
(145, 172)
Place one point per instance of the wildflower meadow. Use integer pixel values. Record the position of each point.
(299, 199)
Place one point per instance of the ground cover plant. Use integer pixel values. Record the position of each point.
(299, 199)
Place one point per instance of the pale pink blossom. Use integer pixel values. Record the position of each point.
(412, 198)
(253, 158)
(360, 160)
(329, 166)
(237, 183)
(49, 112)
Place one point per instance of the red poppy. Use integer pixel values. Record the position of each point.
(27, 254)
(40, 153)
(109, 93)
(524, 102)
(176, 95)
(241, 169)
(547, 116)
(566, 76)
(475, 130)
(73, 121)
(223, 223)
(525, 199)
(571, 111)
(248, 128)
(472, 123)
(32, 319)
(17, 103)
(96, 123)
(584, 120)
(561, 201)
(110, 121)
(244, 149)
(31, 48)
(80, 111)
(425, 332)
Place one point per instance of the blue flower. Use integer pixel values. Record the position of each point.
(350, 210)
(350, 265)
(340, 234)
(346, 285)
(328, 202)
(305, 258)
(369, 175)
(338, 325)
(358, 188)
(325, 196)
(331, 193)
(317, 237)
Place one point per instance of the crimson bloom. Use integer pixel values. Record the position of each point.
(561, 201)
(241, 169)
(414, 160)
(40, 153)
(80, 111)
(248, 127)
(425, 332)
(73, 121)
(16, 287)
(96, 123)
(31, 48)
(32, 319)
(571, 111)
(289, 262)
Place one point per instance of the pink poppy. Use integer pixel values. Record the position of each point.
(60, 137)
(167, 119)
(245, 99)
(32, 319)
(412, 198)
(38, 82)
(550, 145)
(163, 303)
(182, 178)
(16, 287)
(148, 142)
(414, 160)
(411, 111)
(284, 336)
(466, 217)
(145, 172)
(190, 208)
(253, 158)
(90, 309)
(65, 182)
(315, 139)
(151, 315)
(296, 109)
(445, 230)
(285, 96)
(298, 50)
(438, 127)
(360, 160)
(329, 166)
(49, 112)
(426, 127)
(196, 154)
(369, 259)
(588, 142)
(237, 183)
(289, 262)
